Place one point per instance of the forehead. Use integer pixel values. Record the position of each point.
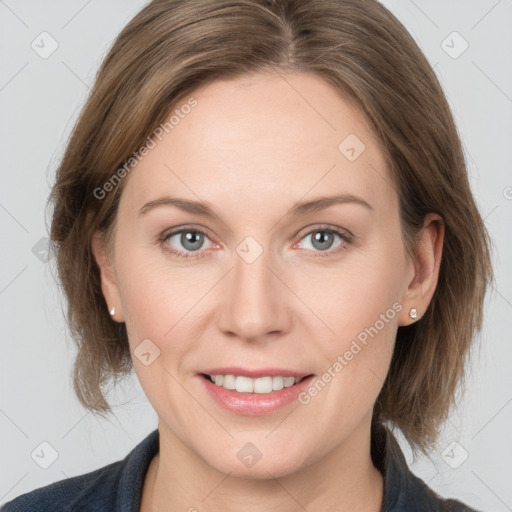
(267, 136)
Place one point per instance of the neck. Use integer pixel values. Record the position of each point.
(344, 480)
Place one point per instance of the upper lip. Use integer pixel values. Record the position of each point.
(255, 373)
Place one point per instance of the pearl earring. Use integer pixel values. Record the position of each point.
(413, 313)
(113, 311)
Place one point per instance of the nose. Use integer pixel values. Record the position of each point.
(256, 302)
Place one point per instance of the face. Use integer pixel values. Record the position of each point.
(254, 286)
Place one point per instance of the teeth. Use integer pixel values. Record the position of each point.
(277, 383)
(289, 382)
(259, 385)
(229, 382)
(244, 385)
(263, 385)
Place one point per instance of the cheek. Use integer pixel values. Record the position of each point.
(155, 296)
(163, 304)
(352, 296)
(358, 302)
(157, 307)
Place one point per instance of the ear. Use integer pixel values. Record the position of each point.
(425, 267)
(109, 284)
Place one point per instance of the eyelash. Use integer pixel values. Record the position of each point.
(345, 237)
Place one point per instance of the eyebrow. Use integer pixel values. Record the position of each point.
(301, 208)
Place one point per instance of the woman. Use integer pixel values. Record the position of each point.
(222, 146)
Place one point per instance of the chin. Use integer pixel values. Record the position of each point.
(248, 462)
(260, 471)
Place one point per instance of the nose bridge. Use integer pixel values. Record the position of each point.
(254, 303)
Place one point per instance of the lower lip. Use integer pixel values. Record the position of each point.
(254, 404)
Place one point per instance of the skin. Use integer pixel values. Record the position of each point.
(253, 147)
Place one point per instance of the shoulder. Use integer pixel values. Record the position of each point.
(403, 490)
(418, 496)
(115, 487)
(97, 488)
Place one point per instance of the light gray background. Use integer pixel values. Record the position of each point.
(39, 102)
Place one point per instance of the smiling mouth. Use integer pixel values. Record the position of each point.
(260, 385)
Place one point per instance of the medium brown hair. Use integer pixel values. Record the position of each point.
(173, 46)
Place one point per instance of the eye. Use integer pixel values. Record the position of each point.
(185, 242)
(189, 243)
(322, 240)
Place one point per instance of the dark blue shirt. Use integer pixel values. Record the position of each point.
(117, 487)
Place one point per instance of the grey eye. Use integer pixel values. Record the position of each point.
(190, 240)
(322, 239)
